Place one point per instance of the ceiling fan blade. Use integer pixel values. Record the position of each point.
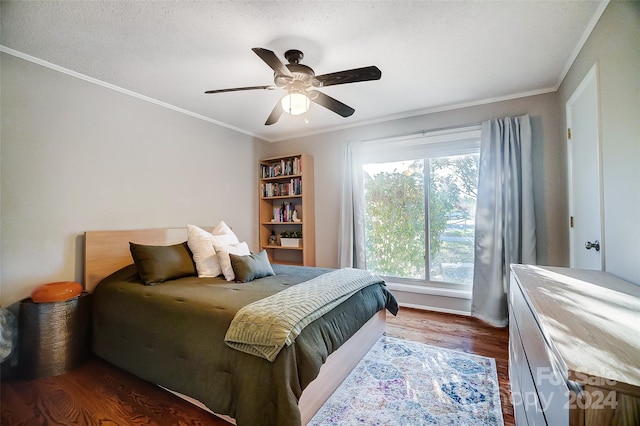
(349, 76)
(272, 60)
(238, 89)
(330, 103)
(275, 114)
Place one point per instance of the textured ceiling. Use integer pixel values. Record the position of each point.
(433, 55)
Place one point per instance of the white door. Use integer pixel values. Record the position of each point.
(585, 184)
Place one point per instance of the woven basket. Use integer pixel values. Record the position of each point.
(54, 337)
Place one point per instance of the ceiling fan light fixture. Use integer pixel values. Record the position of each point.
(299, 81)
(295, 103)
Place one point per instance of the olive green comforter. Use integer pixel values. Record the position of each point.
(173, 333)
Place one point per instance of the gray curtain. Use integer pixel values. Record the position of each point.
(351, 253)
(505, 223)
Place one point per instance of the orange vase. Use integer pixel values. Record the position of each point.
(56, 292)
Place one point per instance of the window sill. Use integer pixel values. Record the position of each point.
(434, 291)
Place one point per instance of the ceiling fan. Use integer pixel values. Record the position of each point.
(300, 81)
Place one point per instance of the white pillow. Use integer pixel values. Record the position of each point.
(201, 243)
(221, 229)
(240, 249)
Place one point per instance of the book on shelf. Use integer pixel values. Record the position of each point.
(282, 189)
(286, 213)
(284, 167)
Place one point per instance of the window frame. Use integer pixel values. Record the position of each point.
(424, 146)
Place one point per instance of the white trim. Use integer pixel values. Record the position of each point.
(431, 136)
(425, 144)
(122, 90)
(431, 308)
(433, 291)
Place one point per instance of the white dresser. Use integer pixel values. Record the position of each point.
(574, 347)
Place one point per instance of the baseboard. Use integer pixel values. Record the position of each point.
(435, 309)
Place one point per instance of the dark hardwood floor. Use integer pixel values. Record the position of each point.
(97, 393)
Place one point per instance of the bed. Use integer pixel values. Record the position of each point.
(172, 333)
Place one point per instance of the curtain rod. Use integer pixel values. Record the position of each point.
(424, 133)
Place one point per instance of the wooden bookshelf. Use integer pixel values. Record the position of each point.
(285, 184)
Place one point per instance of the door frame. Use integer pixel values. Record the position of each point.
(592, 75)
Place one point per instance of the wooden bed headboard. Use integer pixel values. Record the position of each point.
(107, 251)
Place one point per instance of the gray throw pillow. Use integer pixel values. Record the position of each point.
(248, 268)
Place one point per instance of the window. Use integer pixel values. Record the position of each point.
(420, 198)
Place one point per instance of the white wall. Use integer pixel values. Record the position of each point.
(615, 45)
(548, 154)
(76, 156)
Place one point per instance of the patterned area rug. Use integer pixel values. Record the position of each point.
(408, 383)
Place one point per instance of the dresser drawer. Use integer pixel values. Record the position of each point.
(527, 409)
(553, 393)
(517, 365)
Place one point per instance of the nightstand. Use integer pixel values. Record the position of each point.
(54, 337)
